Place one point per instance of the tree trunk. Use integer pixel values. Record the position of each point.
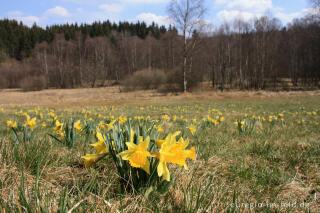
(185, 62)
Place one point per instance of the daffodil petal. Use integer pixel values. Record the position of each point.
(145, 144)
(146, 167)
(163, 170)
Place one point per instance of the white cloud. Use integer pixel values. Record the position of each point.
(60, 14)
(28, 20)
(82, 15)
(145, 1)
(57, 11)
(219, 2)
(230, 15)
(123, 1)
(254, 6)
(244, 9)
(288, 17)
(248, 9)
(112, 8)
(79, 1)
(79, 10)
(14, 13)
(150, 17)
(311, 11)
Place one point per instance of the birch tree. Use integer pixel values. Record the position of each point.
(187, 16)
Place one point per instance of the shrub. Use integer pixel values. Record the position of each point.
(144, 79)
(174, 81)
(194, 79)
(33, 83)
(10, 75)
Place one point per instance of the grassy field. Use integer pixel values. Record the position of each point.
(255, 151)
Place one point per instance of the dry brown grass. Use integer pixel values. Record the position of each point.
(112, 96)
(232, 161)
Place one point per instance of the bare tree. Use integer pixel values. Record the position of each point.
(80, 40)
(41, 58)
(315, 3)
(170, 50)
(187, 15)
(316, 7)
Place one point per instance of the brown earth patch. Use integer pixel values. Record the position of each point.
(112, 96)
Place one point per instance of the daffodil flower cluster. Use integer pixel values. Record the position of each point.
(11, 124)
(174, 152)
(78, 126)
(58, 128)
(245, 126)
(101, 151)
(31, 123)
(142, 152)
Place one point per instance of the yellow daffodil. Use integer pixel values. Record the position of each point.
(137, 155)
(173, 152)
(31, 122)
(14, 125)
(100, 146)
(159, 128)
(192, 129)
(110, 125)
(77, 125)
(11, 124)
(91, 159)
(160, 142)
(166, 117)
(174, 118)
(58, 127)
(99, 136)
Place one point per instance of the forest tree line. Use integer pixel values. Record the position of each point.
(255, 54)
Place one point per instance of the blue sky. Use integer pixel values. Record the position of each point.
(47, 12)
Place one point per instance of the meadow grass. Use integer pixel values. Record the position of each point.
(273, 166)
